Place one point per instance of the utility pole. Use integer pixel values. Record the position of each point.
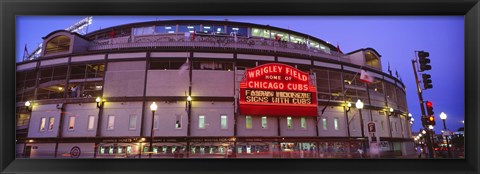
(422, 108)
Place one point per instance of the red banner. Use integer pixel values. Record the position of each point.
(277, 90)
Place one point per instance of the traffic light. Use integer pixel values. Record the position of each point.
(424, 61)
(431, 120)
(427, 81)
(429, 105)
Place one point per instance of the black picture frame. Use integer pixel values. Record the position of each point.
(9, 9)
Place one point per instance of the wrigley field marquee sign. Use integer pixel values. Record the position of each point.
(279, 90)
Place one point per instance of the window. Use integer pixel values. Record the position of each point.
(248, 122)
(260, 32)
(324, 123)
(223, 121)
(71, 123)
(120, 150)
(42, 124)
(143, 31)
(111, 122)
(166, 29)
(289, 122)
(102, 150)
(383, 127)
(132, 123)
(178, 121)
(213, 29)
(201, 122)
(50, 123)
(91, 122)
(129, 149)
(335, 123)
(58, 44)
(396, 128)
(188, 28)
(155, 122)
(110, 150)
(167, 64)
(213, 65)
(303, 122)
(264, 122)
(240, 31)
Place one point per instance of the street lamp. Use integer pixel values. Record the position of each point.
(153, 107)
(430, 127)
(27, 106)
(424, 132)
(443, 116)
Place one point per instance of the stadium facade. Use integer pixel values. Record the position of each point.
(222, 89)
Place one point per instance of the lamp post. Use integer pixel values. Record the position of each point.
(359, 106)
(443, 116)
(153, 107)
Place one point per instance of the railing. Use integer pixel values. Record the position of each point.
(214, 42)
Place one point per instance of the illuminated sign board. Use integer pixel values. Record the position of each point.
(278, 90)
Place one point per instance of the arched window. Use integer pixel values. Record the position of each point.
(57, 44)
(372, 60)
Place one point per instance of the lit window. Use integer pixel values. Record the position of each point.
(264, 122)
(110, 150)
(120, 150)
(42, 124)
(324, 123)
(133, 122)
(201, 122)
(289, 122)
(248, 122)
(102, 150)
(155, 122)
(335, 123)
(303, 122)
(223, 121)
(50, 123)
(91, 121)
(71, 123)
(111, 122)
(129, 149)
(57, 44)
(178, 121)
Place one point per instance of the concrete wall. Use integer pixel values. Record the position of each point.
(124, 79)
(43, 150)
(122, 112)
(357, 58)
(330, 114)
(212, 112)
(44, 111)
(257, 130)
(167, 83)
(86, 150)
(212, 83)
(296, 129)
(81, 112)
(167, 112)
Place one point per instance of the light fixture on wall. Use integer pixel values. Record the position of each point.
(349, 105)
(59, 105)
(28, 106)
(390, 111)
(99, 102)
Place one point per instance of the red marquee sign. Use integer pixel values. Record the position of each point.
(278, 90)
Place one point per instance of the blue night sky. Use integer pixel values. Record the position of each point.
(394, 37)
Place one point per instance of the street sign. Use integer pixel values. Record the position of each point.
(371, 127)
(447, 133)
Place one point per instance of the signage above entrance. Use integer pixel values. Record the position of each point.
(278, 90)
